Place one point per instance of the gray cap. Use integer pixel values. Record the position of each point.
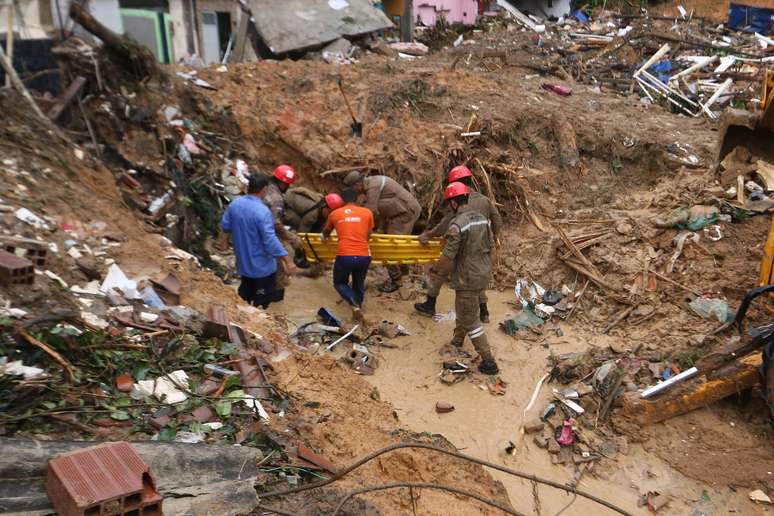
(352, 178)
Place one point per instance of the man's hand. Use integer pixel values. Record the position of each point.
(290, 267)
(424, 239)
(323, 236)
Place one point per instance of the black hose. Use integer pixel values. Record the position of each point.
(341, 473)
(425, 485)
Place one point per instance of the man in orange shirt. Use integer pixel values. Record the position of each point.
(353, 225)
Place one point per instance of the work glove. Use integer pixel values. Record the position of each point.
(323, 238)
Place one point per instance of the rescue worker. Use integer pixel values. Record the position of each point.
(477, 202)
(467, 256)
(256, 246)
(279, 182)
(353, 225)
(304, 210)
(395, 211)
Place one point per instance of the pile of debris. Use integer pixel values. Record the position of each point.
(687, 64)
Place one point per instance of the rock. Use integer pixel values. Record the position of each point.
(624, 228)
(540, 441)
(658, 502)
(533, 426)
(443, 407)
(406, 293)
(553, 446)
(759, 496)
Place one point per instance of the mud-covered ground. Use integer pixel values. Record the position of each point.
(550, 162)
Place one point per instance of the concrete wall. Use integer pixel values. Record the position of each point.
(543, 8)
(455, 11)
(32, 19)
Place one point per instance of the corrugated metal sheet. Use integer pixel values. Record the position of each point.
(286, 25)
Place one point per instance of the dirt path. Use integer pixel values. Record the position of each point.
(482, 424)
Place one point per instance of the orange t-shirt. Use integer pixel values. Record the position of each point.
(352, 224)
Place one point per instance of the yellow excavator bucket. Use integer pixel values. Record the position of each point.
(767, 277)
(385, 249)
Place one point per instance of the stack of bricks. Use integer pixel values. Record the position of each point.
(34, 250)
(15, 270)
(108, 479)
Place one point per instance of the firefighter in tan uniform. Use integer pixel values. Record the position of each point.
(303, 210)
(466, 255)
(279, 182)
(395, 211)
(477, 202)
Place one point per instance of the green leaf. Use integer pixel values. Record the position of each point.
(119, 415)
(233, 381)
(123, 402)
(50, 405)
(167, 434)
(223, 408)
(140, 372)
(227, 348)
(239, 393)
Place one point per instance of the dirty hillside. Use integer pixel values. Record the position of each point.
(628, 153)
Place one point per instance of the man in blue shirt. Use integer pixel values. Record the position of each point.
(255, 242)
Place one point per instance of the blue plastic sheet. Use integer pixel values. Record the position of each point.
(580, 16)
(662, 69)
(751, 19)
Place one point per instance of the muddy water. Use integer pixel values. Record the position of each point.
(483, 424)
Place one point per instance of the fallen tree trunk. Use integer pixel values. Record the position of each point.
(193, 478)
(738, 376)
(134, 57)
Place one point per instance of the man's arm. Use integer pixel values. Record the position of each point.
(273, 246)
(440, 229)
(225, 221)
(451, 248)
(495, 219)
(372, 198)
(326, 232)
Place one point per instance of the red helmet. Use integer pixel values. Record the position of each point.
(286, 174)
(334, 201)
(458, 173)
(455, 190)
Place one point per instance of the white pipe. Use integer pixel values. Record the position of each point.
(650, 391)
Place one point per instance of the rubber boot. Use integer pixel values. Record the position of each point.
(389, 286)
(427, 308)
(488, 366)
(483, 313)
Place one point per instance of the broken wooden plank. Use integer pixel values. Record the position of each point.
(66, 98)
(738, 376)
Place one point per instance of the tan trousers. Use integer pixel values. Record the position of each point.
(468, 322)
(435, 281)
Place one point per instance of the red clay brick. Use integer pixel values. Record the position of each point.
(14, 269)
(108, 479)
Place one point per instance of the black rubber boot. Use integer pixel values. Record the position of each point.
(389, 287)
(483, 313)
(427, 308)
(488, 366)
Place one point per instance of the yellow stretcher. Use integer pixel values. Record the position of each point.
(385, 249)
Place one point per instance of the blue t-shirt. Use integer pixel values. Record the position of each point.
(256, 245)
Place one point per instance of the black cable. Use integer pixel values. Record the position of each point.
(425, 485)
(341, 473)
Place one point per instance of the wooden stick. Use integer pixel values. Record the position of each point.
(19, 86)
(589, 274)
(620, 317)
(650, 62)
(577, 300)
(59, 359)
(676, 284)
(342, 170)
(9, 39)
